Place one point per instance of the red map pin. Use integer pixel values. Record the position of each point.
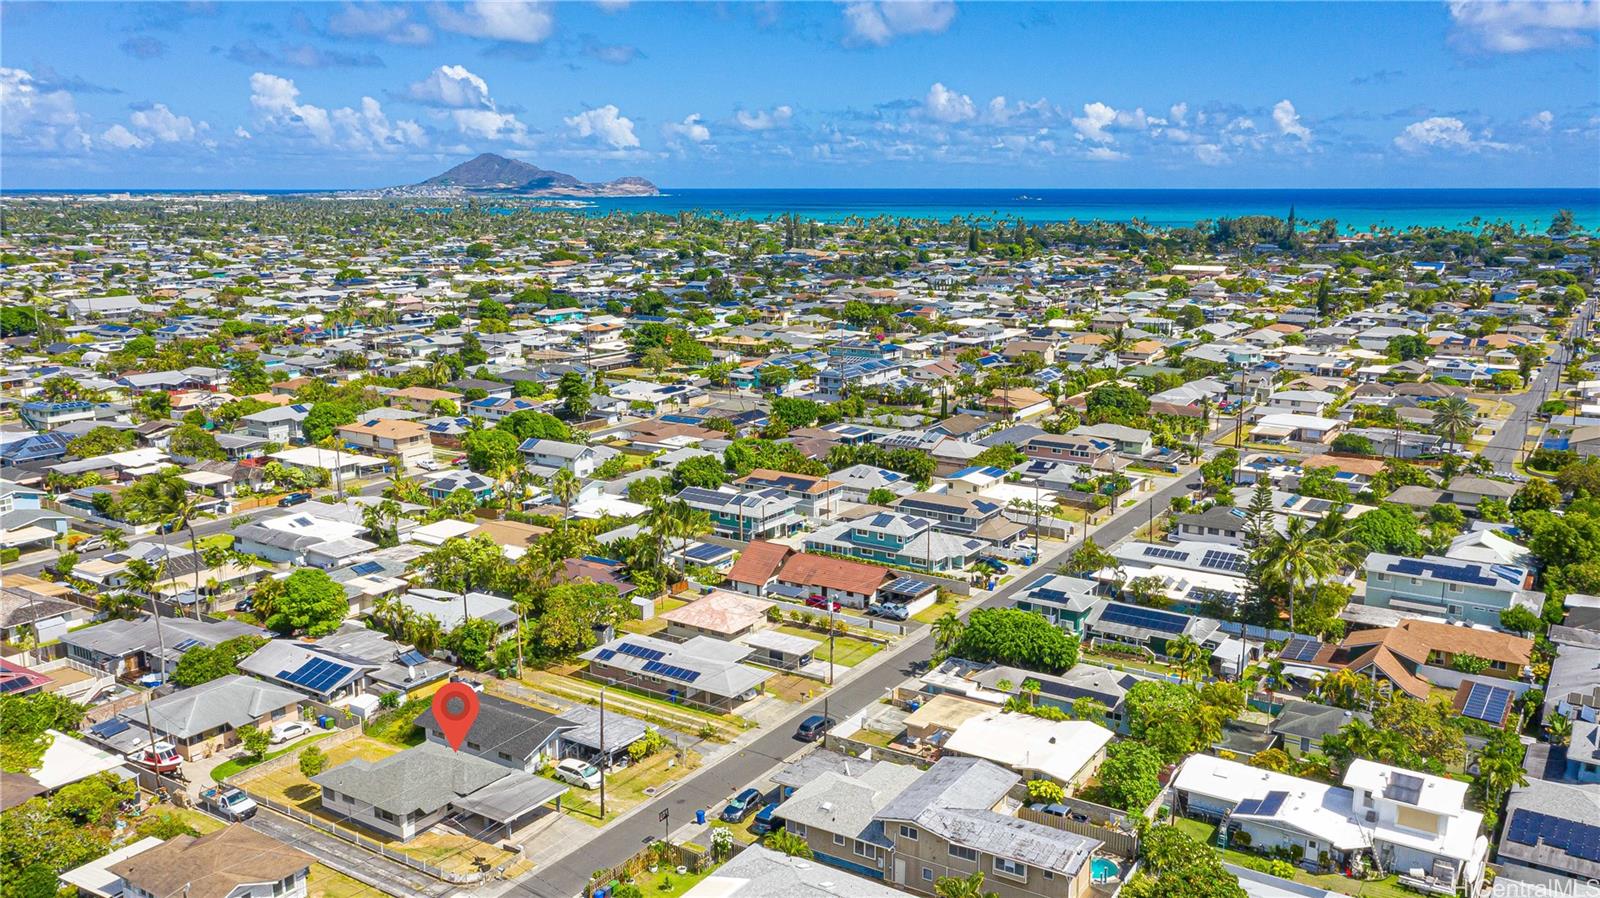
(455, 707)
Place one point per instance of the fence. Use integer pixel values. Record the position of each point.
(102, 713)
(291, 759)
(846, 746)
(693, 857)
(1119, 843)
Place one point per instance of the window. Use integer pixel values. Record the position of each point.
(927, 874)
(908, 832)
(1007, 867)
(961, 851)
(1048, 874)
(862, 849)
(838, 839)
(798, 829)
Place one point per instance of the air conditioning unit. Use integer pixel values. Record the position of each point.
(1372, 816)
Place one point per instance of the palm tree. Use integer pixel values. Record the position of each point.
(1297, 558)
(1453, 415)
(1560, 729)
(688, 523)
(164, 499)
(333, 442)
(1031, 688)
(1191, 660)
(785, 842)
(114, 539)
(947, 632)
(565, 486)
(970, 886)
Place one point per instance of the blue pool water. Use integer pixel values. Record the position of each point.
(1103, 870)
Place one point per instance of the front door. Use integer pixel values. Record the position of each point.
(899, 871)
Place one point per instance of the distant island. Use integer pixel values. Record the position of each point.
(490, 173)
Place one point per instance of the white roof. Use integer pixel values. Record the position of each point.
(1296, 421)
(1438, 795)
(1058, 749)
(317, 457)
(68, 760)
(436, 533)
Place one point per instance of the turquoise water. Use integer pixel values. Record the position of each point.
(1352, 209)
(1103, 870)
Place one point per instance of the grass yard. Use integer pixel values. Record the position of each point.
(1388, 887)
(935, 611)
(398, 727)
(289, 786)
(667, 883)
(625, 788)
(326, 882)
(847, 651)
(229, 768)
(794, 688)
(198, 820)
(645, 707)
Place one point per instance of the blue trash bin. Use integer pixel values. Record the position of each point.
(700, 817)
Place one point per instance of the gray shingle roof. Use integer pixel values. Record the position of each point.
(422, 779)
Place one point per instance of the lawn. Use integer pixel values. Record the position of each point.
(794, 688)
(935, 611)
(654, 624)
(398, 727)
(326, 882)
(667, 883)
(229, 768)
(198, 820)
(625, 788)
(289, 786)
(1388, 887)
(847, 650)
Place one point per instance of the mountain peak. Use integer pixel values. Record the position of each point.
(496, 173)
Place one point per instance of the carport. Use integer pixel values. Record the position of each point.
(500, 809)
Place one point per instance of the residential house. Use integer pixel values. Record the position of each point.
(702, 672)
(850, 583)
(898, 539)
(1066, 752)
(233, 862)
(406, 442)
(1443, 587)
(757, 514)
(203, 720)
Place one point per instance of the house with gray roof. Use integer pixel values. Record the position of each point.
(837, 816)
(704, 671)
(758, 872)
(405, 794)
(203, 720)
(126, 647)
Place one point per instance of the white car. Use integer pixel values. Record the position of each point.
(578, 773)
(293, 729)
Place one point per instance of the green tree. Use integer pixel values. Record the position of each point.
(102, 440)
(1014, 636)
(1537, 494)
(313, 761)
(1518, 619)
(1454, 416)
(255, 740)
(1130, 777)
(202, 664)
(1296, 558)
(969, 886)
(312, 603)
(785, 842)
(573, 390)
(490, 450)
(192, 441)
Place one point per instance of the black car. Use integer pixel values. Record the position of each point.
(743, 805)
(813, 727)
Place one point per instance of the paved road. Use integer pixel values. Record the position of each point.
(713, 785)
(1506, 446)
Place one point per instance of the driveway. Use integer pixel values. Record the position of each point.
(357, 863)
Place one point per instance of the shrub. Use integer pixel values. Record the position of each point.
(312, 762)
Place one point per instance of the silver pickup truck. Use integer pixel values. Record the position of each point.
(229, 803)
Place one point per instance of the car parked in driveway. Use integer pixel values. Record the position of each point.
(742, 806)
(766, 821)
(229, 803)
(820, 602)
(292, 729)
(578, 773)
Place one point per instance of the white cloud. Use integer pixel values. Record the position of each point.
(881, 22)
(487, 124)
(1517, 26)
(1210, 154)
(689, 129)
(945, 105)
(1444, 133)
(164, 126)
(1541, 120)
(1179, 113)
(277, 103)
(242, 134)
(1106, 154)
(385, 21)
(453, 86)
(1288, 121)
(34, 117)
(605, 124)
(123, 139)
(762, 120)
(516, 21)
(1092, 126)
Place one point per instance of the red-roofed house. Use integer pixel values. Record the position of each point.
(757, 567)
(850, 583)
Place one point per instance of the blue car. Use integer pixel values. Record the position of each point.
(742, 806)
(766, 820)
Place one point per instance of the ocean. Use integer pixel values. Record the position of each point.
(1353, 209)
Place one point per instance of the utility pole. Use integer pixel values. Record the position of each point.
(605, 757)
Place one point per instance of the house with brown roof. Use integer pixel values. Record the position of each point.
(421, 399)
(850, 583)
(719, 614)
(1017, 403)
(404, 441)
(230, 863)
(757, 567)
(1416, 655)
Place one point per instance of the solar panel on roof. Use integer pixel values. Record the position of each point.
(186, 645)
(1162, 552)
(109, 728)
(639, 651)
(366, 567)
(1220, 560)
(1149, 618)
(605, 654)
(1403, 787)
(413, 658)
(1301, 648)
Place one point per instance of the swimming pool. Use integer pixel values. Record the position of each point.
(1103, 870)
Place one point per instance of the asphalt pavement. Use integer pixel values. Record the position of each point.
(713, 785)
(1505, 447)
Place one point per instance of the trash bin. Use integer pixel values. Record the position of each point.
(700, 816)
(325, 722)
(601, 892)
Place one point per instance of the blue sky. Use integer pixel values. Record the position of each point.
(853, 94)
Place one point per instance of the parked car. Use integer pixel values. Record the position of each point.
(766, 821)
(994, 564)
(812, 728)
(820, 602)
(578, 773)
(292, 729)
(293, 499)
(894, 611)
(228, 803)
(742, 806)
